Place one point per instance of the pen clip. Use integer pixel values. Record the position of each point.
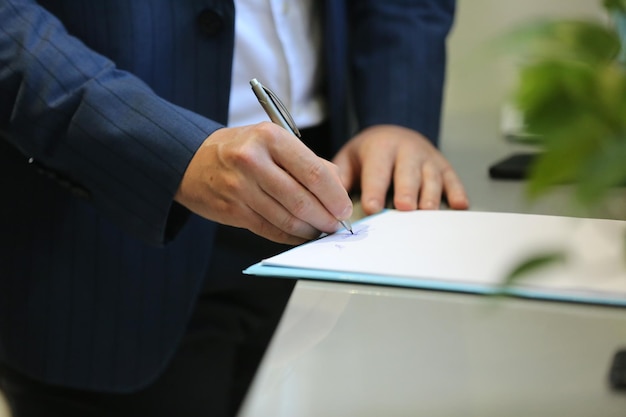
(282, 110)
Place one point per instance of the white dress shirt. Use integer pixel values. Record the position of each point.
(278, 42)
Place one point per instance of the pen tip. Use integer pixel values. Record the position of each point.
(346, 225)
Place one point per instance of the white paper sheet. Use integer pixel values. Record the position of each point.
(465, 247)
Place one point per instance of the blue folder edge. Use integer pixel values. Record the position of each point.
(349, 277)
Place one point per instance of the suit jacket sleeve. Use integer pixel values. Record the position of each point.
(71, 110)
(398, 61)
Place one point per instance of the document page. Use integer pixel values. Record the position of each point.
(467, 251)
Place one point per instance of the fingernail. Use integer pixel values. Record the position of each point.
(346, 213)
(374, 205)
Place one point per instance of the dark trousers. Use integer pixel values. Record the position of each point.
(227, 335)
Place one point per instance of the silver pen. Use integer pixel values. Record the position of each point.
(279, 114)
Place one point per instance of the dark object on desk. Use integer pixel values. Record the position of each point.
(617, 373)
(513, 167)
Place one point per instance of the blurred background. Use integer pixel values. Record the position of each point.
(478, 81)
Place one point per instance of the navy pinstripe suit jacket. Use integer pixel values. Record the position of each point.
(102, 105)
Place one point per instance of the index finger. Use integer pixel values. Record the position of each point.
(454, 190)
(314, 173)
(376, 174)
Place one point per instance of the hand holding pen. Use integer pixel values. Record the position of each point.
(279, 114)
(262, 178)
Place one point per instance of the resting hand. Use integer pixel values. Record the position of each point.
(385, 153)
(263, 178)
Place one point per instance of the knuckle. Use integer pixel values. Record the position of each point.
(289, 225)
(263, 228)
(431, 185)
(267, 131)
(448, 173)
(265, 127)
(245, 157)
(300, 206)
(315, 173)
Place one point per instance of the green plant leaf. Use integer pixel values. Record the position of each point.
(551, 92)
(578, 40)
(609, 96)
(531, 265)
(603, 171)
(568, 147)
(572, 95)
(577, 110)
(615, 5)
(591, 42)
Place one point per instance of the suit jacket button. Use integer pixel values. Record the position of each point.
(210, 22)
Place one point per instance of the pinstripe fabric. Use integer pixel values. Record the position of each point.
(388, 64)
(406, 86)
(84, 303)
(94, 293)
